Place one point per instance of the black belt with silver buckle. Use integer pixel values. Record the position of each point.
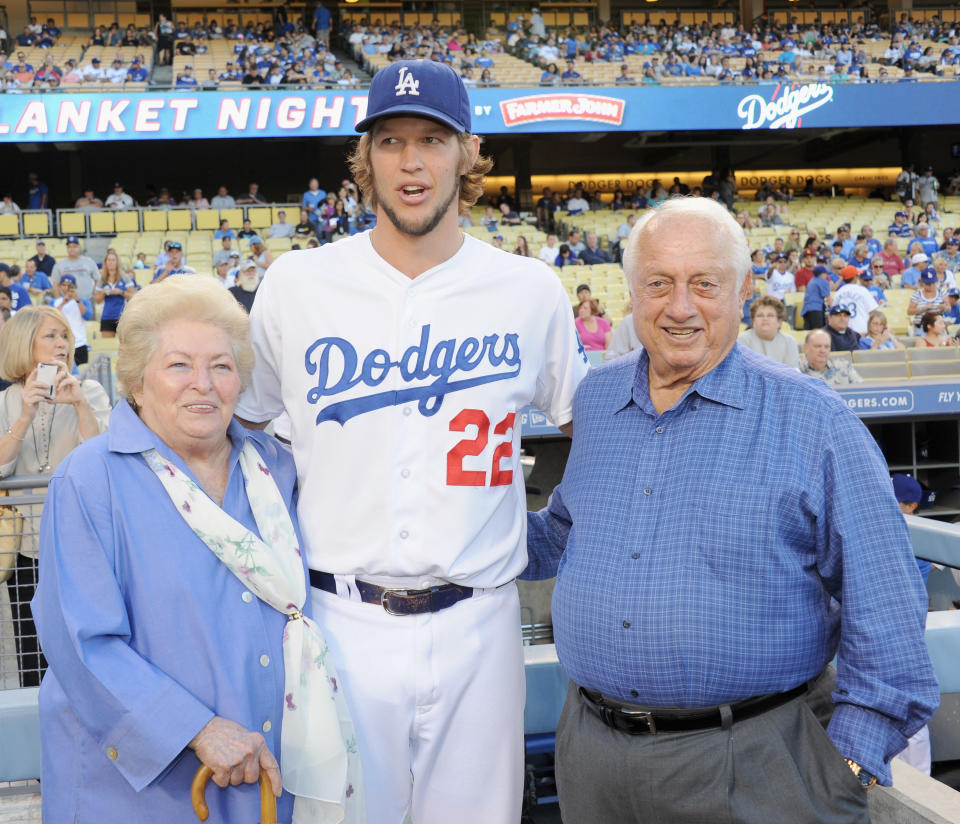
(636, 721)
(398, 601)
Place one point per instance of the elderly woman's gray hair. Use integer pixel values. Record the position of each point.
(180, 297)
(730, 240)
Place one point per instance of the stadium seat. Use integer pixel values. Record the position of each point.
(73, 223)
(935, 368)
(873, 356)
(36, 223)
(235, 216)
(127, 221)
(154, 220)
(883, 371)
(9, 225)
(260, 217)
(208, 219)
(179, 220)
(101, 223)
(943, 353)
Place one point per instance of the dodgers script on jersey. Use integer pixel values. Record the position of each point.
(403, 397)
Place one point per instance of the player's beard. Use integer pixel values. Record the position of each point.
(426, 225)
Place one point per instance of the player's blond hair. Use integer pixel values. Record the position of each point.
(471, 183)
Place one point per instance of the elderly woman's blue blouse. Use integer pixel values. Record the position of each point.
(148, 636)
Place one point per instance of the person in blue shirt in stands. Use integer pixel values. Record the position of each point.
(901, 226)
(696, 612)
(186, 80)
(815, 296)
(137, 73)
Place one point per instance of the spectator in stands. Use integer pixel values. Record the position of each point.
(38, 194)
(174, 264)
(933, 331)
(222, 255)
(928, 187)
(926, 240)
(19, 296)
(906, 183)
(248, 281)
(549, 251)
(40, 432)
(575, 243)
(312, 200)
(625, 78)
(88, 202)
(815, 299)
(281, 227)
(571, 77)
(93, 72)
(116, 74)
(185, 79)
(497, 241)
(951, 311)
(304, 228)
(817, 362)
(35, 281)
(70, 72)
(260, 254)
(336, 223)
(577, 204)
(594, 331)
(842, 337)
(566, 257)
(930, 296)
(84, 270)
(224, 230)
(764, 336)
(69, 304)
(522, 248)
(945, 277)
(119, 199)
(222, 199)
(197, 201)
(550, 75)
(593, 253)
(7, 206)
(867, 279)
(901, 225)
(508, 217)
(113, 290)
(855, 298)
(43, 261)
(804, 273)
(878, 334)
(890, 258)
(252, 197)
(212, 83)
(911, 275)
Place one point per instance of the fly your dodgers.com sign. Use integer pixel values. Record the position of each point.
(69, 117)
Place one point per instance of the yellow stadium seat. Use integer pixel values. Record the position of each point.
(36, 223)
(259, 216)
(208, 219)
(882, 371)
(9, 225)
(73, 223)
(101, 223)
(179, 220)
(154, 220)
(235, 216)
(127, 221)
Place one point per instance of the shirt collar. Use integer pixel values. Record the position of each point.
(723, 384)
(130, 435)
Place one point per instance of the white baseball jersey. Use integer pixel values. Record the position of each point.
(779, 284)
(404, 398)
(859, 302)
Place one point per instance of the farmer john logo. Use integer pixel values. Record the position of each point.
(783, 111)
(539, 107)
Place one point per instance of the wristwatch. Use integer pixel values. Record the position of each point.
(867, 781)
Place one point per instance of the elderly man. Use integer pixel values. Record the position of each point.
(816, 361)
(695, 611)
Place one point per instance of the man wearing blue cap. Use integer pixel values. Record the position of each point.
(83, 269)
(404, 396)
(815, 299)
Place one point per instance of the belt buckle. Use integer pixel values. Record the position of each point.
(642, 715)
(383, 599)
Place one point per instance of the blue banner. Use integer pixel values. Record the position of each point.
(301, 113)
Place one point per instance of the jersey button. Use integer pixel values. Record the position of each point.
(404, 473)
(264, 660)
(406, 410)
(659, 430)
(404, 534)
(246, 597)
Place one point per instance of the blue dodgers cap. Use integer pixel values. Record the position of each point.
(68, 279)
(929, 275)
(907, 489)
(820, 270)
(175, 244)
(72, 239)
(421, 88)
(839, 309)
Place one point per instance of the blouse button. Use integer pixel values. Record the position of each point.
(267, 726)
(246, 597)
(112, 754)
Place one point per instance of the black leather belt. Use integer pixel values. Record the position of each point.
(398, 601)
(636, 721)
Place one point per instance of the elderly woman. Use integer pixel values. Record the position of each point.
(764, 335)
(172, 601)
(39, 431)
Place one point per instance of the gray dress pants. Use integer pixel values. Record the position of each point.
(779, 767)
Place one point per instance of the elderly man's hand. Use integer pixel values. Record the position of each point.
(235, 754)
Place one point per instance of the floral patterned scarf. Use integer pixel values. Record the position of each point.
(318, 754)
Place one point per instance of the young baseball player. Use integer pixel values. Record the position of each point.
(404, 398)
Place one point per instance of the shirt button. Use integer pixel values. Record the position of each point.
(264, 660)
(404, 473)
(267, 726)
(626, 625)
(404, 534)
(647, 491)
(246, 597)
(659, 430)
(112, 754)
(635, 555)
(634, 694)
(406, 410)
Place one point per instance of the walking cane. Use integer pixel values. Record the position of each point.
(268, 803)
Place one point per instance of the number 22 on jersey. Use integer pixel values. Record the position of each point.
(471, 447)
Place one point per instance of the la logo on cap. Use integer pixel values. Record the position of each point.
(406, 84)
